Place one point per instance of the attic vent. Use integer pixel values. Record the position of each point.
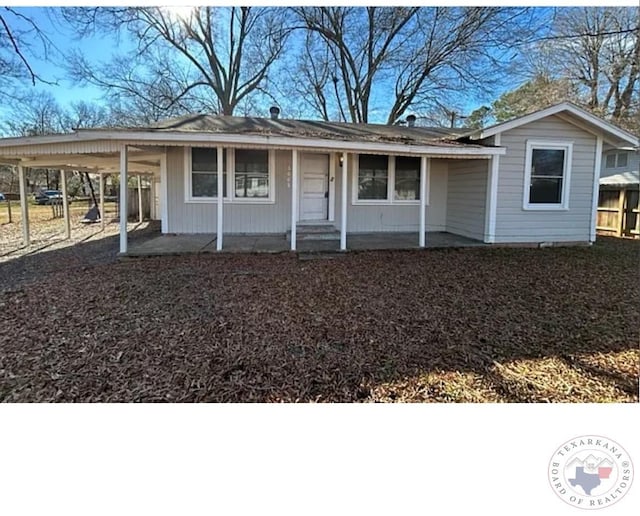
(411, 120)
(275, 112)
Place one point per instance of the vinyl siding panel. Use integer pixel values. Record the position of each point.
(466, 197)
(184, 217)
(513, 223)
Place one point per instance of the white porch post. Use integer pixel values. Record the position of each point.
(596, 190)
(343, 210)
(24, 210)
(140, 214)
(294, 198)
(424, 177)
(65, 204)
(123, 198)
(164, 194)
(101, 201)
(491, 204)
(220, 206)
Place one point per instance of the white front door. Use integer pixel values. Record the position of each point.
(314, 187)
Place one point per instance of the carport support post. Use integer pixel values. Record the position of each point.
(294, 198)
(123, 199)
(140, 214)
(343, 210)
(65, 204)
(101, 201)
(220, 206)
(24, 210)
(423, 200)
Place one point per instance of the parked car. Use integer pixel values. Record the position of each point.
(2, 197)
(48, 197)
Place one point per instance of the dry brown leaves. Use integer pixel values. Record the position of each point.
(468, 325)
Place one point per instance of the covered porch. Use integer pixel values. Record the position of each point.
(277, 243)
(460, 180)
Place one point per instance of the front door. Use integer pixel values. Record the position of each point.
(314, 187)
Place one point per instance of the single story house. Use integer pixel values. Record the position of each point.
(531, 180)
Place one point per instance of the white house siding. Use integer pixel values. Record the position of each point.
(184, 217)
(513, 223)
(394, 217)
(466, 197)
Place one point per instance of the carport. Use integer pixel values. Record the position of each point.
(76, 152)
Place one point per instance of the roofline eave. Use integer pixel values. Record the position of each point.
(175, 138)
(603, 125)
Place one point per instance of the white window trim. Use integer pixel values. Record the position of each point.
(563, 205)
(188, 197)
(231, 180)
(391, 186)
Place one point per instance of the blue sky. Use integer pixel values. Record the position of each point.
(97, 49)
(51, 67)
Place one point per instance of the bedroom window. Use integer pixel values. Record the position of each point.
(251, 174)
(373, 177)
(204, 173)
(407, 178)
(547, 176)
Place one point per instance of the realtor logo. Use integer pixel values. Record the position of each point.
(590, 472)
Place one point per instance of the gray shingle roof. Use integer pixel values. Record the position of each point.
(200, 123)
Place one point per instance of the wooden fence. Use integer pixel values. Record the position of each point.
(619, 211)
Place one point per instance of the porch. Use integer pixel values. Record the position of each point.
(276, 243)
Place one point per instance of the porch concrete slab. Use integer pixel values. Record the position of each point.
(441, 239)
(278, 243)
(372, 241)
(275, 243)
(173, 244)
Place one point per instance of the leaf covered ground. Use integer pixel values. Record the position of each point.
(456, 325)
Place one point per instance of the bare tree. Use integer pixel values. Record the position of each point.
(34, 114)
(392, 59)
(20, 39)
(207, 58)
(598, 50)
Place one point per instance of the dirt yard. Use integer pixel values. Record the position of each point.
(458, 325)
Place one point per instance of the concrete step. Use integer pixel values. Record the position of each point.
(315, 228)
(316, 232)
(329, 235)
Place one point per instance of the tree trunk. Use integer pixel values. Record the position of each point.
(93, 193)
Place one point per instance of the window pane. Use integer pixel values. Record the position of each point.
(545, 190)
(206, 185)
(252, 161)
(250, 185)
(373, 162)
(611, 161)
(622, 159)
(373, 177)
(252, 173)
(407, 178)
(206, 160)
(547, 162)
